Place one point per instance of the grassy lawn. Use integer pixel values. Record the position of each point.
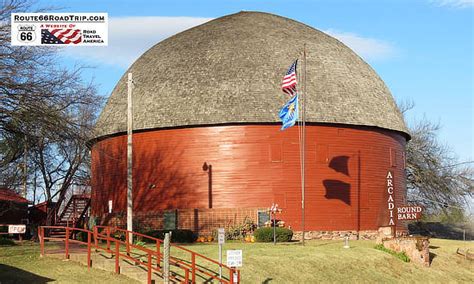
(318, 261)
(22, 264)
(328, 261)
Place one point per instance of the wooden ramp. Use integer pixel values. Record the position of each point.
(109, 249)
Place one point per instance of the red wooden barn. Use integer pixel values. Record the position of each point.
(207, 145)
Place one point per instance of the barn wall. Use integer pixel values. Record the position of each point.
(253, 166)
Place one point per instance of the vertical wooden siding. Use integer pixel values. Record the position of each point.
(253, 166)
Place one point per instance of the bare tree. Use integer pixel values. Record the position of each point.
(44, 108)
(435, 176)
(35, 92)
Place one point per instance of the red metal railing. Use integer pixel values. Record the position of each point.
(194, 256)
(106, 234)
(68, 233)
(95, 245)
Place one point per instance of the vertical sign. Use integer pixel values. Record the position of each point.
(110, 206)
(390, 200)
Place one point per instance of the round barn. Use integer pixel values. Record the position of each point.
(207, 146)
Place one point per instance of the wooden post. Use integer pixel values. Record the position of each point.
(127, 243)
(108, 238)
(166, 259)
(186, 275)
(231, 276)
(117, 257)
(73, 211)
(149, 268)
(129, 156)
(96, 240)
(193, 267)
(25, 167)
(89, 250)
(41, 238)
(67, 243)
(158, 254)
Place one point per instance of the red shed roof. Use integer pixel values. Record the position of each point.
(9, 195)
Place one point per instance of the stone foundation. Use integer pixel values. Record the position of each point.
(416, 248)
(204, 222)
(336, 235)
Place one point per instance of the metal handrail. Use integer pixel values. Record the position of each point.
(73, 191)
(69, 231)
(193, 267)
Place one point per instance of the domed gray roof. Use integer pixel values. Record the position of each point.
(229, 70)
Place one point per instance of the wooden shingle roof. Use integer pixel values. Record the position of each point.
(229, 70)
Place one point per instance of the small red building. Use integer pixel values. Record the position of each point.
(13, 207)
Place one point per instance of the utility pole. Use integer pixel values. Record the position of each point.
(25, 167)
(129, 157)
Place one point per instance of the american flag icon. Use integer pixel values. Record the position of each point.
(61, 36)
(289, 81)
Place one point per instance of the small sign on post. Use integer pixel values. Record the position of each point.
(220, 241)
(234, 258)
(221, 236)
(16, 229)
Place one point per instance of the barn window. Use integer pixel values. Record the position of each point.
(393, 158)
(262, 216)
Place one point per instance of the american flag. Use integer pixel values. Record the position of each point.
(60, 36)
(289, 81)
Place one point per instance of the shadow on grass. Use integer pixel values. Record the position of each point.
(432, 256)
(267, 280)
(10, 274)
(325, 244)
(4, 242)
(201, 274)
(434, 247)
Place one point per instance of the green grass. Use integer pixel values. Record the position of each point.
(22, 264)
(401, 255)
(318, 261)
(327, 261)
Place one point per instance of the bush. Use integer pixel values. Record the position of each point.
(265, 235)
(5, 241)
(119, 235)
(177, 235)
(400, 255)
(238, 231)
(82, 236)
(140, 243)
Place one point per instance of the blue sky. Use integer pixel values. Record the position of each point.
(422, 49)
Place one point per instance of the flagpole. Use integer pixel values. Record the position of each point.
(303, 138)
(129, 156)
